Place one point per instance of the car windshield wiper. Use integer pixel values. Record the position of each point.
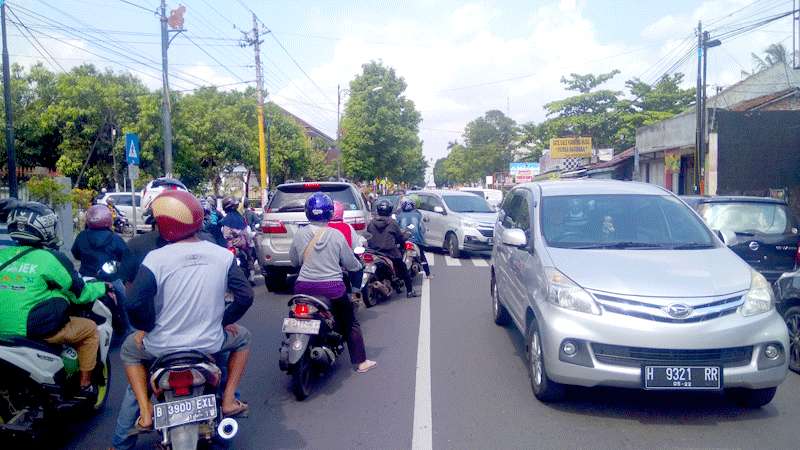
(745, 233)
(692, 246)
(620, 245)
(292, 209)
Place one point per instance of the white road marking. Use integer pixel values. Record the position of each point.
(422, 438)
(451, 261)
(431, 259)
(480, 262)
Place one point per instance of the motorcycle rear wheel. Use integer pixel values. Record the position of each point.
(301, 378)
(368, 295)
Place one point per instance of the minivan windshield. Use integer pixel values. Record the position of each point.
(467, 204)
(622, 222)
(747, 217)
(293, 198)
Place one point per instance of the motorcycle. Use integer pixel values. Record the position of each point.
(411, 254)
(187, 411)
(379, 277)
(311, 345)
(40, 381)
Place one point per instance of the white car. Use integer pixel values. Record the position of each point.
(493, 196)
(124, 203)
(157, 186)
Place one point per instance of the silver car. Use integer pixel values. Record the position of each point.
(456, 221)
(285, 213)
(622, 284)
(124, 202)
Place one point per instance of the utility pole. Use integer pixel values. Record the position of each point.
(11, 152)
(338, 128)
(265, 178)
(165, 106)
(796, 35)
(698, 142)
(114, 158)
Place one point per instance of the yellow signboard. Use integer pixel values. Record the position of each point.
(574, 147)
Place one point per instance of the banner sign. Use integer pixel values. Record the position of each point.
(574, 147)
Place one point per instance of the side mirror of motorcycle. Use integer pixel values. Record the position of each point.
(359, 250)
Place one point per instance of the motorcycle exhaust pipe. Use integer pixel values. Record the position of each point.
(227, 428)
(323, 355)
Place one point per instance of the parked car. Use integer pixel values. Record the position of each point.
(456, 221)
(124, 202)
(787, 301)
(158, 186)
(286, 213)
(762, 231)
(493, 196)
(621, 284)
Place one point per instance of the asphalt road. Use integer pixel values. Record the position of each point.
(460, 383)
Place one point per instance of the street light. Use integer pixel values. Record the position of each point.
(339, 93)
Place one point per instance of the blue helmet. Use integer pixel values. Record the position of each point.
(407, 204)
(319, 207)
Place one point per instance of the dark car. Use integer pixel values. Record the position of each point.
(762, 231)
(787, 301)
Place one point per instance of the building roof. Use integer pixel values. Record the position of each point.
(764, 100)
(311, 130)
(616, 160)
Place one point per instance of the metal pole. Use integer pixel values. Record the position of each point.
(698, 109)
(269, 155)
(264, 171)
(338, 128)
(165, 106)
(114, 158)
(796, 35)
(703, 121)
(133, 206)
(11, 152)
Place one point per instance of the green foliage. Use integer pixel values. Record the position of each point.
(774, 54)
(82, 198)
(47, 190)
(380, 128)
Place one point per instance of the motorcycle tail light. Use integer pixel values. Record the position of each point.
(368, 258)
(273, 227)
(232, 250)
(409, 245)
(181, 381)
(303, 310)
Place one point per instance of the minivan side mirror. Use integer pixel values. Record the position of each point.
(439, 210)
(514, 237)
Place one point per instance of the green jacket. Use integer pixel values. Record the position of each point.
(36, 289)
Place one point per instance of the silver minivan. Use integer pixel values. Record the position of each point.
(456, 221)
(622, 284)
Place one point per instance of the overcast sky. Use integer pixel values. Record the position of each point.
(459, 59)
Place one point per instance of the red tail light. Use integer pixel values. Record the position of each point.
(310, 186)
(181, 381)
(368, 258)
(797, 257)
(358, 223)
(232, 250)
(301, 309)
(273, 227)
(409, 245)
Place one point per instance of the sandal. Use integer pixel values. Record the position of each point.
(241, 410)
(370, 365)
(138, 428)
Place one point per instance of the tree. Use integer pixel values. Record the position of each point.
(380, 128)
(774, 54)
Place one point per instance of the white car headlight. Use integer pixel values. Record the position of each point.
(760, 298)
(564, 293)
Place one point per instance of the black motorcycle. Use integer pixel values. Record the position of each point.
(379, 279)
(311, 345)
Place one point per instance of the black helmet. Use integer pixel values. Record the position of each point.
(229, 203)
(407, 204)
(384, 207)
(147, 215)
(32, 223)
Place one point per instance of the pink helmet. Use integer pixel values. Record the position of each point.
(338, 212)
(99, 217)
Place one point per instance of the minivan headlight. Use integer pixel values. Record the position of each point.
(760, 298)
(469, 224)
(564, 293)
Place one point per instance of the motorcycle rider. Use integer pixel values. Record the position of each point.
(337, 222)
(187, 279)
(387, 238)
(236, 232)
(409, 215)
(211, 223)
(321, 253)
(37, 285)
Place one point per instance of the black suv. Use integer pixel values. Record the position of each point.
(762, 231)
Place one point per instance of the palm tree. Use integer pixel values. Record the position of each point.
(774, 54)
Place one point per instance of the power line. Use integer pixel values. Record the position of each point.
(138, 6)
(34, 38)
(212, 57)
(297, 64)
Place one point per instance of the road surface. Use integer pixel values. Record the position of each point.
(459, 382)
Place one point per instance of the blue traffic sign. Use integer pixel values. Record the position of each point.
(132, 149)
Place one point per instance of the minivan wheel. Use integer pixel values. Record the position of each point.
(499, 311)
(752, 398)
(451, 245)
(792, 318)
(544, 389)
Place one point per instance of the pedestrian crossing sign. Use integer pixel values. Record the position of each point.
(132, 149)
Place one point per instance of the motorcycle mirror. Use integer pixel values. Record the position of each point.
(109, 267)
(359, 250)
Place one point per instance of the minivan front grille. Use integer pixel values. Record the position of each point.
(486, 233)
(619, 355)
(712, 309)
